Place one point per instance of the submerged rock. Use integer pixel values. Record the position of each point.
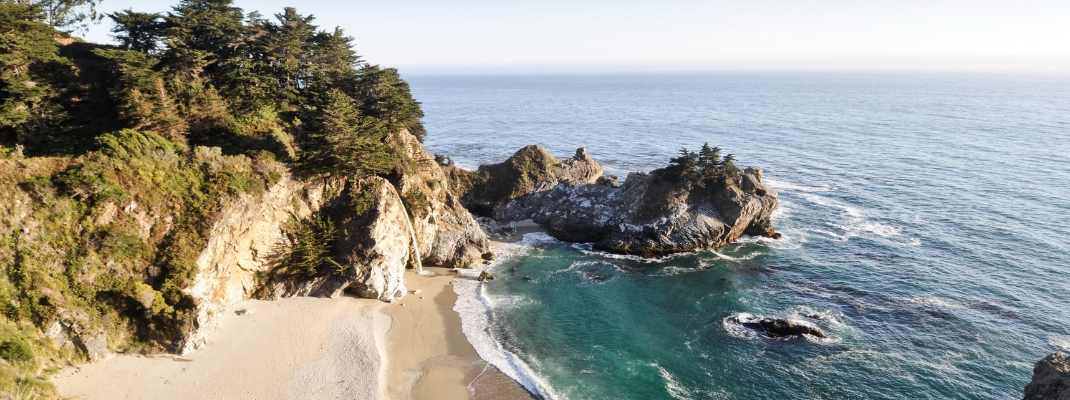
(1051, 379)
(651, 214)
(782, 327)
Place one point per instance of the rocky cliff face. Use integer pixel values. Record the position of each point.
(446, 233)
(374, 245)
(1051, 379)
(248, 232)
(649, 215)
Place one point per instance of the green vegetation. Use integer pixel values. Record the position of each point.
(706, 167)
(311, 246)
(514, 177)
(443, 160)
(115, 160)
(416, 202)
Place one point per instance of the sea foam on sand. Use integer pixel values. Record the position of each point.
(476, 312)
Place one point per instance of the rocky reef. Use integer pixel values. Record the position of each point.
(651, 214)
(1051, 379)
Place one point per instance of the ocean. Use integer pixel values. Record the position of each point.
(924, 217)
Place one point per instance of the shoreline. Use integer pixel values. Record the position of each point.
(429, 355)
(306, 347)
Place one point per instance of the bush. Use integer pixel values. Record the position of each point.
(15, 350)
(416, 202)
(311, 245)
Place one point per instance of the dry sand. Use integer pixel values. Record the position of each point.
(292, 348)
(312, 348)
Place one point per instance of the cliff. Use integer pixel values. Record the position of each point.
(142, 245)
(1051, 379)
(650, 214)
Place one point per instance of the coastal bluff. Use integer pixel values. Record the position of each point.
(650, 214)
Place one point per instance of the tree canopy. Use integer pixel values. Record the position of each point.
(203, 73)
(704, 167)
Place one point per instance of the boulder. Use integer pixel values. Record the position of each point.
(485, 276)
(1051, 379)
(783, 327)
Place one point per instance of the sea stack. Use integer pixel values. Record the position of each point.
(662, 212)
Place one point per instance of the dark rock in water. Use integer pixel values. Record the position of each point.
(813, 316)
(594, 275)
(651, 214)
(1051, 379)
(783, 327)
(513, 270)
(485, 276)
(527, 278)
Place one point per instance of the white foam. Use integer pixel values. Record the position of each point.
(674, 388)
(587, 248)
(475, 308)
(1062, 342)
(855, 225)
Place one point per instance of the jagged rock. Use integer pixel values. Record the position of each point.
(72, 329)
(783, 327)
(530, 169)
(1051, 379)
(374, 248)
(242, 240)
(608, 180)
(649, 215)
(485, 276)
(446, 232)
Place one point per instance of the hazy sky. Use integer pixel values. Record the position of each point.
(421, 36)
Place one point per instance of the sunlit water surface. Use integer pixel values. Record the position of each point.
(925, 222)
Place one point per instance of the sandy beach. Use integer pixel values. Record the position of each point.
(430, 358)
(314, 348)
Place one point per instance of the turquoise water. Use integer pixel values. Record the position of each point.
(925, 220)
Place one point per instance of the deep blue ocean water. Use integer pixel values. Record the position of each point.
(925, 222)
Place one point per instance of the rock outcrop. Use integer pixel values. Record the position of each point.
(783, 327)
(650, 214)
(1051, 379)
(374, 247)
(445, 231)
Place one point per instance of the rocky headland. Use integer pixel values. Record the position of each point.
(1051, 379)
(650, 214)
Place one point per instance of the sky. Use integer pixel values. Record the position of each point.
(551, 36)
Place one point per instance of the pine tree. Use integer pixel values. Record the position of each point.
(138, 31)
(729, 168)
(685, 166)
(341, 140)
(386, 96)
(29, 62)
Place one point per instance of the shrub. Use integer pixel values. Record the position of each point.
(311, 245)
(416, 202)
(15, 349)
